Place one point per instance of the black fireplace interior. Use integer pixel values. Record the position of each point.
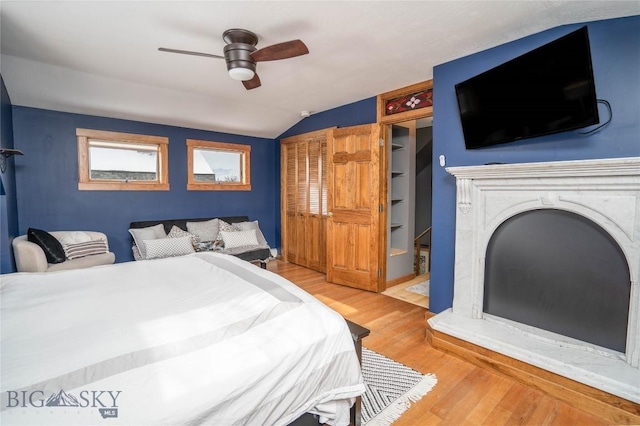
(561, 272)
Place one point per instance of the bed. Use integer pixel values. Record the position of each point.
(205, 338)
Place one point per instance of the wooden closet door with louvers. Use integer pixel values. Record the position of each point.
(304, 199)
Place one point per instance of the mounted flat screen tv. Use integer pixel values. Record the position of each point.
(547, 90)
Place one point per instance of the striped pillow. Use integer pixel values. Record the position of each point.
(88, 248)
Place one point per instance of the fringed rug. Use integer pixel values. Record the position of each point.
(391, 388)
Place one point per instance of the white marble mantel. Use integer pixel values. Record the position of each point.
(605, 191)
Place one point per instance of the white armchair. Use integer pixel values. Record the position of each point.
(31, 258)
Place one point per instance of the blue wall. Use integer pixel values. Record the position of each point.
(47, 181)
(615, 49)
(8, 198)
(354, 114)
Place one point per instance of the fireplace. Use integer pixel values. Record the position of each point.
(588, 210)
(558, 271)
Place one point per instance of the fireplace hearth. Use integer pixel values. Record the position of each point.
(603, 192)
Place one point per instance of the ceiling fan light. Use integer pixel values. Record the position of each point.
(242, 74)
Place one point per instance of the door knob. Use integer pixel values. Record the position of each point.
(329, 214)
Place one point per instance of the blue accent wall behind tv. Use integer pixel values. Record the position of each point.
(47, 182)
(615, 49)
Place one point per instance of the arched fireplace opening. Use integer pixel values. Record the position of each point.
(561, 272)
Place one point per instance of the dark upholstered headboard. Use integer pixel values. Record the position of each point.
(182, 223)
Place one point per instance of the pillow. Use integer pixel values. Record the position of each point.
(88, 248)
(177, 232)
(207, 230)
(246, 226)
(73, 237)
(149, 233)
(168, 247)
(48, 243)
(227, 227)
(136, 252)
(239, 238)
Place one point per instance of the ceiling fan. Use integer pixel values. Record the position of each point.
(241, 54)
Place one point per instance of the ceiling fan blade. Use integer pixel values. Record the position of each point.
(189, 52)
(287, 49)
(253, 83)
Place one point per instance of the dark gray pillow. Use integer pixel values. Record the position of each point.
(50, 245)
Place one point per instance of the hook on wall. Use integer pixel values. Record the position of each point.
(5, 153)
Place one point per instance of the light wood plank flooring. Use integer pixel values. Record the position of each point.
(465, 394)
(400, 291)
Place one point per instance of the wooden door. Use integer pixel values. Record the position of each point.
(288, 183)
(303, 201)
(353, 228)
(315, 225)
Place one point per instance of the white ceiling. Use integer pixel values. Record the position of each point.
(102, 58)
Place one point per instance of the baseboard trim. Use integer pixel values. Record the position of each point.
(599, 403)
(399, 280)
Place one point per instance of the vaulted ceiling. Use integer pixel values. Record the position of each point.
(102, 58)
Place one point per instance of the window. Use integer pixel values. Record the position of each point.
(122, 161)
(217, 166)
(406, 104)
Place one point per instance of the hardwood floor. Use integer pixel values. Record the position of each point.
(399, 291)
(465, 394)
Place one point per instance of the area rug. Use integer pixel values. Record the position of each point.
(420, 288)
(391, 388)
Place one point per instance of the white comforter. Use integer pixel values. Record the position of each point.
(199, 339)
